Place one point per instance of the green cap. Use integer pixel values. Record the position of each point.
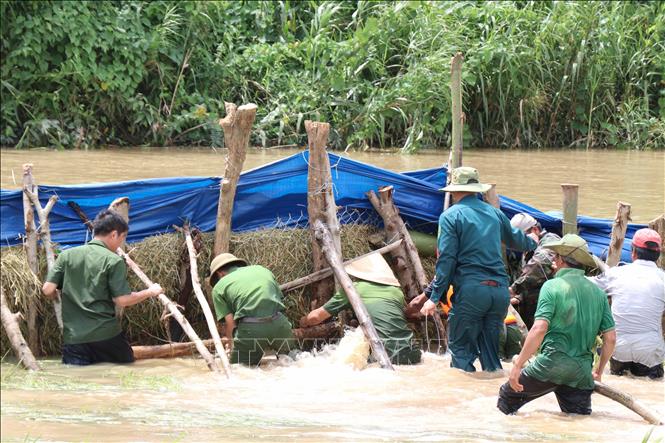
(465, 179)
(575, 247)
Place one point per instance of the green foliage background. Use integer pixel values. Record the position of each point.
(536, 74)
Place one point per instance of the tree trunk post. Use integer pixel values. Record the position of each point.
(237, 126)
(492, 197)
(570, 196)
(210, 318)
(172, 308)
(45, 235)
(658, 225)
(321, 205)
(457, 111)
(170, 350)
(618, 233)
(121, 206)
(364, 320)
(10, 323)
(30, 246)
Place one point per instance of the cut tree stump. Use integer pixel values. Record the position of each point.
(237, 126)
(618, 233)
(364, 320)
(321, 206)
(30, 245)
(658, 225)
(173, 310)
(10, 323)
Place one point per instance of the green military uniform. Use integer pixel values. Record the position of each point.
(89, 277)
(252, 294)
(577, 311)
(536, 269)
(510, 341)
(385, 305)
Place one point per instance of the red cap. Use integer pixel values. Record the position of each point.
(647, 238)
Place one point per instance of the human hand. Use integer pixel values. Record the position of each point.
(303, 322)
(428, 308)
(533, 236)
(417, 301)
(597, 375)
(514, 378)
(514, 301)
(155, 289)
(228, 344)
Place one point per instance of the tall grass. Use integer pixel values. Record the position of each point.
(536, 73)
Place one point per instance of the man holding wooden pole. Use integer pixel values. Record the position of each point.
(470, 237)
(93, 280)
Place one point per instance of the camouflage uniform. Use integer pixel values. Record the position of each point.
(537, 270)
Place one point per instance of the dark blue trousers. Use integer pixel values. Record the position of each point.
(475, 320)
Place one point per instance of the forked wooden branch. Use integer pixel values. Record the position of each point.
(10, 323)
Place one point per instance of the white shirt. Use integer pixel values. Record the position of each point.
(638, 303)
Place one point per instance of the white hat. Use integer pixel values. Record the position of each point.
(373, 268)
(523, 222)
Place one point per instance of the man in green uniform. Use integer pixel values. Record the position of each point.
(93, 280)
(249, 297)
(379, 290)
(470, 258)
(571, 312)
(536, 267)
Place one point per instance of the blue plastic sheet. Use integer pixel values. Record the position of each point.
(274, 194)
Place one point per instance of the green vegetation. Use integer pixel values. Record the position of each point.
(536, 73)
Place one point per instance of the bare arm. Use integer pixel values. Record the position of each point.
(314, 318)
(531, 345)
(609, 341)
(137, 297)
(50, 290)
(229, 326)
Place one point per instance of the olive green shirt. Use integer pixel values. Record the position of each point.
(385, 306)
(248, 291)
(577, 311)
(89, 277)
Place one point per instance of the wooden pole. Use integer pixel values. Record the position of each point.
(210, 318)
(321, 204)
(658, 225)
(170, 350)
(30, 246)
(121, 206)
(628, 401)
(10, 323)
(492, 197)
(618, 233)
(570, 195)
(326, 272)
(84, 218)
(173, 310)
(324, 330)
(45, 235)
(457, 111)
(237, 126)
(185, 278)
(364, 320)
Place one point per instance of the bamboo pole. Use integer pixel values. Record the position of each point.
(570, 196)
(237, 126)
(618, 233)
(10, 323)
(628, 401)
(45, 235)
(658, 225)
(326, 272)
(210, 319)
(173, 310)
(321, 204)
(364, 320)
(30, 246)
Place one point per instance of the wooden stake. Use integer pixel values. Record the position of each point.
(326, 272)
(185, 278)
(457, 111)
(30, 246)
(45, 235)
(121, 206)
(364, 320)
(618, 233)
(658, 225)
(321, 204)
(237, 127)
(628, 401)
(170, 350)
(570, 194)
(210, 318)
(10, 323)
(173, 310)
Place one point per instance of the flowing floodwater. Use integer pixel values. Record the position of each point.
(532, 177)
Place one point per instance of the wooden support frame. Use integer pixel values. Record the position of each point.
(10, 323)
(30, 245)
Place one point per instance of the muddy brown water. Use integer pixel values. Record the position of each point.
(315, 398)
(532, 177)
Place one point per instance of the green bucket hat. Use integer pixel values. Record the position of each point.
(465, 179)
(223, 260)
(575, 247)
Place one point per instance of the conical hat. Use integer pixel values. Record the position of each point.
(373, 268)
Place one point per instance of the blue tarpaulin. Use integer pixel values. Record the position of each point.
(274, 194)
